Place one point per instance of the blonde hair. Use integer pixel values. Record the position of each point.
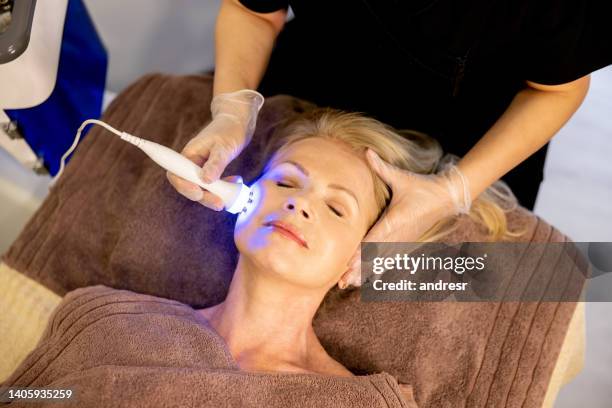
(406, 149)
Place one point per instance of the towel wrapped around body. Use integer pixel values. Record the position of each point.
(124, 349)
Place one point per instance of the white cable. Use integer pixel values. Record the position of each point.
(76, 142)
(236, 196)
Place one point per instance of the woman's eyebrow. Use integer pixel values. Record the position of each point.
(336, 186)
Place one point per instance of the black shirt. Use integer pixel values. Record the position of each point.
(445, 67)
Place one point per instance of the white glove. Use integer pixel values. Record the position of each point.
(234, 116)
(417, 203)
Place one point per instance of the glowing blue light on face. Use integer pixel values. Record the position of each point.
(247, 221)
(253, 202)
(250, 220)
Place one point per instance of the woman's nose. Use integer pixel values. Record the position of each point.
(298, 205)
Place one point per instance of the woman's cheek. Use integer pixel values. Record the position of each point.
(253, 208)
(337, 235)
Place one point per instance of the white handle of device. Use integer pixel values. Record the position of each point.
(234, 195)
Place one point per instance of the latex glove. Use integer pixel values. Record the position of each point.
(234, 116)
(417, 203)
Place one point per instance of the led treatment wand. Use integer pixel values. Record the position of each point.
(235, 196)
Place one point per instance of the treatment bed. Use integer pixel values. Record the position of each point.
(114, 220)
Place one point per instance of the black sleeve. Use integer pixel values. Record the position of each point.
(566, 39)
(265, 6)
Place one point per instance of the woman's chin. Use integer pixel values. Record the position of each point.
(281, 257)
(288, 265)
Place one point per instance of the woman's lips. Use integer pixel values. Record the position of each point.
(288, 230)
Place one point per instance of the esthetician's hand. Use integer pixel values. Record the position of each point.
(418, 201)
(234, 116)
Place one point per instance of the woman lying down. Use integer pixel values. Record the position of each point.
(257, 347)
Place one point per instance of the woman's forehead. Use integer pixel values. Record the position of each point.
(324, 156)
(332, 160)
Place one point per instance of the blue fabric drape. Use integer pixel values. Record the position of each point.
(50, 127)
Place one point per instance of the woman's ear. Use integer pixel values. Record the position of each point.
(350, 277)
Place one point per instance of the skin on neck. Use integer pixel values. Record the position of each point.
(267, 322)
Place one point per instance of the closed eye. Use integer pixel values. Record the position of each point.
(338, 213)
(285, 185)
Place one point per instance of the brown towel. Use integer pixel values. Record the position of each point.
(456, 354)
(117, 348)
(113, 219)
